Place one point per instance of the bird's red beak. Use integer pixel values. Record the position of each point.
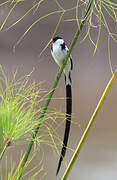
(51, 41)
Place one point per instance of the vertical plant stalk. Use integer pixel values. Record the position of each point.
(17, 170)
(3, 151)
(54, 87)
(85, 134)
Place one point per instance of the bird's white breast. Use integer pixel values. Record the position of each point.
(58, 54)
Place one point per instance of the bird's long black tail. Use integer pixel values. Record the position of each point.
(68, 122)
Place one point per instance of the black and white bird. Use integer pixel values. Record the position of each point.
(59, 51)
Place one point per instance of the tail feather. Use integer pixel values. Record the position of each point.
(68, 122)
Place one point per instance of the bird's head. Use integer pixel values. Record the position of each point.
(57, 40)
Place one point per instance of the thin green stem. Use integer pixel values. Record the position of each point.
(54, 86)
(8, 16)
(90, 124)
(3, 151)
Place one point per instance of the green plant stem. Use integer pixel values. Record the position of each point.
(54, 86)
(85, 134)
(3, 151)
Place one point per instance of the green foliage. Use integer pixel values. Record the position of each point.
(11, 169)
(19, 108)
(19, 116)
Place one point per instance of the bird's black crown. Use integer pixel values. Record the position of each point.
(56, 38)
